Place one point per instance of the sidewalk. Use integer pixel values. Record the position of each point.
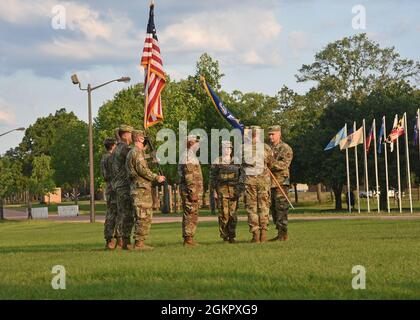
(18, 215)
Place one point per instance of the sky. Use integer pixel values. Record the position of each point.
(260, 44)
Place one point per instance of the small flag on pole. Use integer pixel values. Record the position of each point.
(352, 140)
(335, 141)
(369, 138)
(397, 131)
(380, 137)
(220, 107)
(154, 81)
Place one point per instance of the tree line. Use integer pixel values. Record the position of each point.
(351, 79)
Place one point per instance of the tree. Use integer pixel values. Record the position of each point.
(355, 66)
(40, 136)
(70, 156)
(41, 181)
(11, 179)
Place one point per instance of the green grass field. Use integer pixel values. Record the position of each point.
(315, 264)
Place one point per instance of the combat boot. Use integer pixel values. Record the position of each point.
(232, 240)
(263, 235)
(110, 244)
(189, 242)
(139, 245)
(284, 237)
(126, 244)
(280, 237)
(119, 243)
(255, 237)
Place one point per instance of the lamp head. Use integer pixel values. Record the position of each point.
(124, 79)
(74, 79)
(20, 129)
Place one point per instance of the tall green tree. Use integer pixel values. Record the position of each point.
(41, 180)
(355, 66)
(11, 179)
(70, 156)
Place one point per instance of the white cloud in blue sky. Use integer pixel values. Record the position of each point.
(260, 45)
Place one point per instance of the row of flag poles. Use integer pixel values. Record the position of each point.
(347, 139)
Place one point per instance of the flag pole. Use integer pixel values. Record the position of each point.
(418, 144)
(376, 163)
(146, 98)
(407, 153)
(348, 175)
(398, 171)
(356, 160)
(418, 130)
(366, 165)
(386, 166)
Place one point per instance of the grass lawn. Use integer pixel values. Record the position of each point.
(315, 264)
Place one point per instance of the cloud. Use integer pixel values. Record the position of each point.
(244, 35)
(7, 117)
(25, 12)
(298, 41)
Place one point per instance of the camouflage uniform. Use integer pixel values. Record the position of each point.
(110, 229)
(225, 180)
(257, 189)
(141, 178)
(121, 184)
(283, 155)
(191, 189)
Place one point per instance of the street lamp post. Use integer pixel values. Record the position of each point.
(18, 129)
(89, 90)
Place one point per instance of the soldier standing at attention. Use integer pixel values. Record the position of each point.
(191, 189)
(141, 178)
(283, 155)
(121, 184)
(227, 185)
(110, 229)
(257, 183)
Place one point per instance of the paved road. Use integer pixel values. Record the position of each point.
(18, 215)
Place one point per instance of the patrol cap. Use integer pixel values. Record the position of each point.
(125, 128)
(137, 134)
(110, 141)
(193, 138)
(226, 144)
(273, 129)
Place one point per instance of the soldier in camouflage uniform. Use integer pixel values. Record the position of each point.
(283, 155)
(121, 184)
(191, 189)
(141, 178)
(110, 230)
(227, 185)
(257, 183)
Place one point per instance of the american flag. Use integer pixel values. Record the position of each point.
(154, 81)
